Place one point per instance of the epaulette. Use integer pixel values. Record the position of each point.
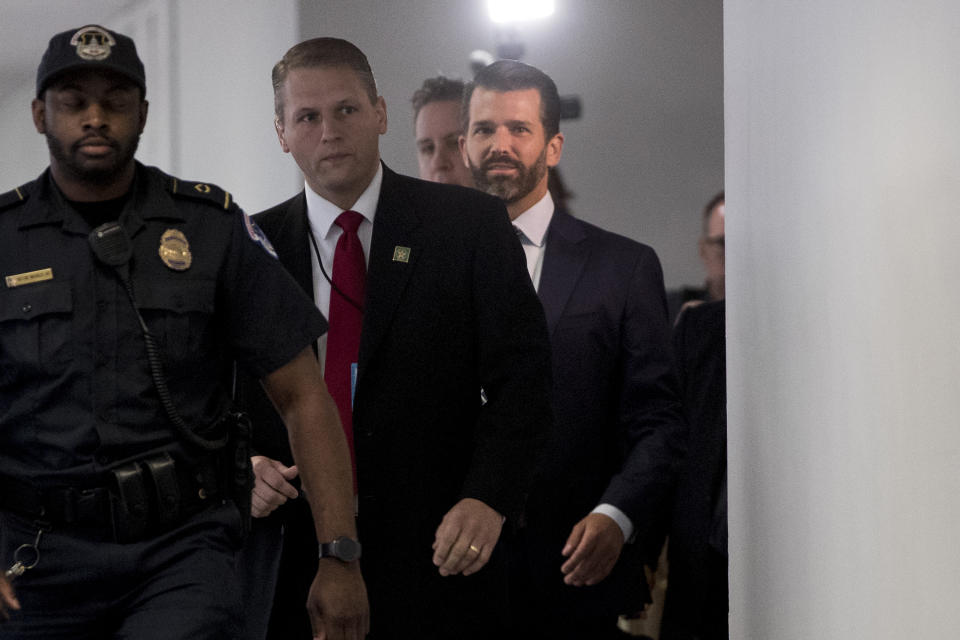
(14, 197)
(203, 191)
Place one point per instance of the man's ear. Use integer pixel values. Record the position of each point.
(554, 150)
(144, 108)
(39, 109)
(463, 150)
(380, 106)
(278, 126)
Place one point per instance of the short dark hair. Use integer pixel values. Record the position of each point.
(439, 89)
(511, 75)
(322, 52)
(715, 201)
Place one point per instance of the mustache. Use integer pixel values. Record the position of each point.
(99, 138)
(500, 159)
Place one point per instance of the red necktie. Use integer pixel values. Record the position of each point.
(346, 319)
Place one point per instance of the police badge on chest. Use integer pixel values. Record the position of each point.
(175, 250)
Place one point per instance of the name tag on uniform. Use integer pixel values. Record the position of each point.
(29, 278)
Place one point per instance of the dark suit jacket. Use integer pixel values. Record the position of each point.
(618, 424)
(696, 602)
(459, 315)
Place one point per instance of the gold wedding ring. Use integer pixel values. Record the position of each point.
(474, 548)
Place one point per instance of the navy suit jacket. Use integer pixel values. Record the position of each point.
(457, 315)
(618, 425)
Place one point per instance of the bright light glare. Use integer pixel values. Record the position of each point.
(519, 10)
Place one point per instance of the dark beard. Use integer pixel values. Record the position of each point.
(70, 163)
(509, 189)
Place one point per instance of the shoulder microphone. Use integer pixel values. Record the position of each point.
(111, 244)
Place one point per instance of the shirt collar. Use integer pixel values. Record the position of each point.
(57, 209)
(323, 213)
(534, 221)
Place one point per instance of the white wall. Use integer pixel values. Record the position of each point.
(224, 109)
(843, 178)
(25, 154)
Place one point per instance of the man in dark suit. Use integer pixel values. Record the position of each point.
(696, 603)
(451, 391)
(605, 474)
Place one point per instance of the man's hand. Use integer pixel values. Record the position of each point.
(7, 599)
(271, 487)
(337, 603)
(466, 537)
(592, 549)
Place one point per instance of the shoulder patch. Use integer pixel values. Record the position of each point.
(204, 192)
(14, 197)
(258, 236)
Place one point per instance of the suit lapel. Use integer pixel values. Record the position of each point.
(563, 262)
(394, 229)
(292, 240)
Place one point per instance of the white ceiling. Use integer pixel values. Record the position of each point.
(27, 25)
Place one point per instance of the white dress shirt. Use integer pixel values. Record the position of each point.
(322, 215)
(531, 228)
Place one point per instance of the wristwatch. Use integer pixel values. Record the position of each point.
(343, 548)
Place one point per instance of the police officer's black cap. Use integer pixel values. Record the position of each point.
(90, 47)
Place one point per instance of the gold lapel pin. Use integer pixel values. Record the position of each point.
(401, 254)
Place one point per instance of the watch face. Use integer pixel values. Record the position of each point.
(346, 549)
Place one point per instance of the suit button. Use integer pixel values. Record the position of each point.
(27, 308)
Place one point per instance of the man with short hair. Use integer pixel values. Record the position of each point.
(128, 295)
(436, 121)
(712, 254)
(443, 310)
(604, 478)
(712, 246)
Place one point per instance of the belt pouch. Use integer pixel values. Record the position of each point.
(129, 506)
(166, 488)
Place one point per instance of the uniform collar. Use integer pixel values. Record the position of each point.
(52, 207)
(151, 198)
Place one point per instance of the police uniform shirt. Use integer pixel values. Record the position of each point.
(76, 393)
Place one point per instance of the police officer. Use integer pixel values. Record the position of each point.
(127, 294)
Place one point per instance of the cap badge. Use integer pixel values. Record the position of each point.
(175, 250)
(93, 43)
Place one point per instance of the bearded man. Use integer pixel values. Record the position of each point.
(602, 483)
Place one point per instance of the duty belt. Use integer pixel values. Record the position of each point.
(139, 500)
